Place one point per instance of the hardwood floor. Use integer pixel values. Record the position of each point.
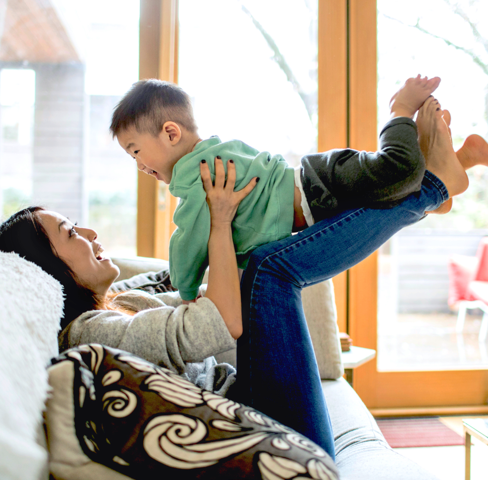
(447, 463)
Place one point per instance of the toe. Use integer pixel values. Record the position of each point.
(430, 104)
(447, 116)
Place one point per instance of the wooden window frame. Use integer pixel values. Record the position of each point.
(390, 393)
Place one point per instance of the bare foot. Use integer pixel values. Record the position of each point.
(424, 124)
(436, 146)
(412, 95)
(473, 152)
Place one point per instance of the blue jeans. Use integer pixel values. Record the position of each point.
(277, 369)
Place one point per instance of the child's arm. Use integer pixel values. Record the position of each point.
(188, 250)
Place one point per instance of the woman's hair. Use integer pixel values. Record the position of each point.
(24, 234)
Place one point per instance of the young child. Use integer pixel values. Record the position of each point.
(154, 123)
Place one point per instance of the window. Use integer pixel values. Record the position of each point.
(262, 89)
(63, 67)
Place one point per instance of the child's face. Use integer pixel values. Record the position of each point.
(155, 156)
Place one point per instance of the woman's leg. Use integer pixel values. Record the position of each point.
(277, 370)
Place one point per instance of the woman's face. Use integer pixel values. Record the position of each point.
(78, 248)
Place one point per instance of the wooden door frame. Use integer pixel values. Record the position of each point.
(158, 58)
(458, 391)
(333, 104)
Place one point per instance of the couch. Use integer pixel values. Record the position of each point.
(361, 450)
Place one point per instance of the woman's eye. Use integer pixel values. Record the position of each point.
(136, 152)
(73, 231)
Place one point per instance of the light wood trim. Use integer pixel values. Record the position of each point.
(363, 304)
(362, 75)
(168, 54)
(149, 44)
(164, 221)
(332, 103)
(363, 136)
(429, 411)
(425, 389)
(158, 58)
(332, 74)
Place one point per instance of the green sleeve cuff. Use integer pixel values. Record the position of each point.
(189, 294)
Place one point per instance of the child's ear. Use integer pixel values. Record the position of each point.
(172, 132)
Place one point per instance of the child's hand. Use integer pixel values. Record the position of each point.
(221, 197)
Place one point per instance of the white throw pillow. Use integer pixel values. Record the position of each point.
(31, 305)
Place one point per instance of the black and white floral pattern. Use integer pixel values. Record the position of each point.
(147, 422)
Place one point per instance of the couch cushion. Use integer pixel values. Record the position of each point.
(143, 421)
(28, 339)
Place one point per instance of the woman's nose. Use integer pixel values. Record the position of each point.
(88, 233)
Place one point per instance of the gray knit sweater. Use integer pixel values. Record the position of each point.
(164, 332)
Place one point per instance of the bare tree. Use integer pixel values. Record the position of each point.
(309, 99)
(480, 37)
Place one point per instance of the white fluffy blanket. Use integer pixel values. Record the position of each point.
(31, 304)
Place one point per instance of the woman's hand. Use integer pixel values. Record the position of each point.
(223, 280)
(221, 197)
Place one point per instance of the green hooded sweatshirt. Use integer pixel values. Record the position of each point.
(265, 215)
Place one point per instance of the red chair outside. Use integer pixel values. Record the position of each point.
(468, 286)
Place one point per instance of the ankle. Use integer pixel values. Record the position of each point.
(399, 110)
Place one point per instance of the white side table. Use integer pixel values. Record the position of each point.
(354, 358)
(477, 428)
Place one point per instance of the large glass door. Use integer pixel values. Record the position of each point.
(417, 304)
(410, 315)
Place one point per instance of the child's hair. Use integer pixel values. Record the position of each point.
(24, 234)
(149, 104)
